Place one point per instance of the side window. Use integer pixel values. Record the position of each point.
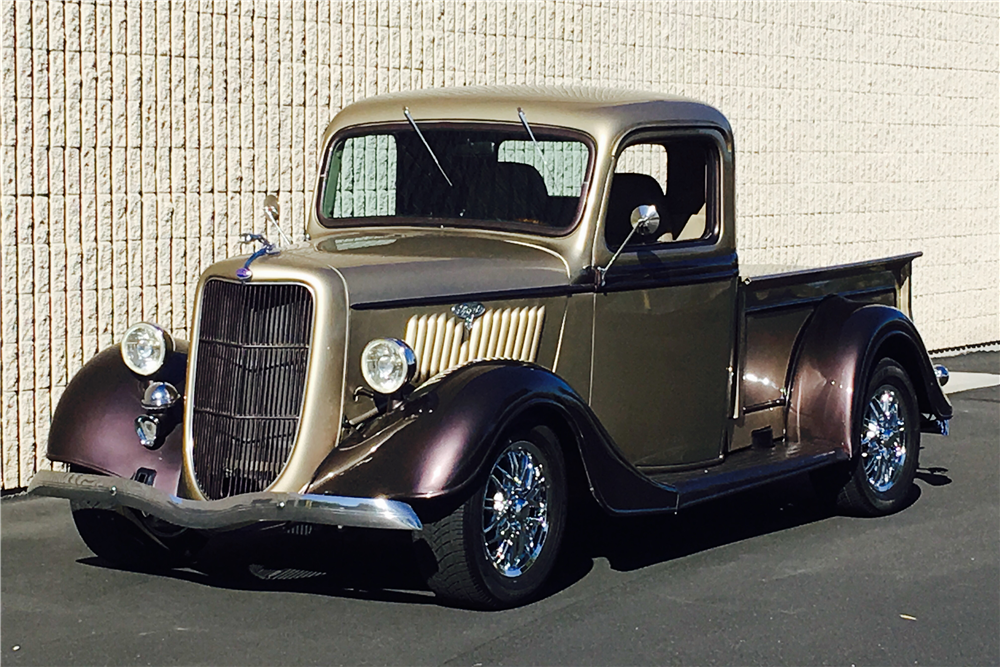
(675, 176)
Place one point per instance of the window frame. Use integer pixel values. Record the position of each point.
(713, 196)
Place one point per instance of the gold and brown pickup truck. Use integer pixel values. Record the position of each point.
(508, 298)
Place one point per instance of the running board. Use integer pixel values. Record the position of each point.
(744, 470)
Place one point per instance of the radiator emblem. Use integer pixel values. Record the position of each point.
(468, 312)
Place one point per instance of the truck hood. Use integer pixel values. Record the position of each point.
(383, 268)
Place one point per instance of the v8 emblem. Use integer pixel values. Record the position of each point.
(468, 312)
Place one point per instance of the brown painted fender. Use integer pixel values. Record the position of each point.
(94, 422)
(439, 440)
(839, 346)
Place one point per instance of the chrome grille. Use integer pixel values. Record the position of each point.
(252, 355)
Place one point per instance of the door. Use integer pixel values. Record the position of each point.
(664, 323)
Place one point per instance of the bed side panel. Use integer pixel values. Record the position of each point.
(777, 308)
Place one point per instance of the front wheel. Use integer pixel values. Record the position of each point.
(886, 445)
(497, 549)
(127, 538)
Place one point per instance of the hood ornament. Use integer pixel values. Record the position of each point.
(244, 273)
(468, 312)
(271, 210)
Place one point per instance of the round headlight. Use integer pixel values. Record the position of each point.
(145, 347)
(387, 364)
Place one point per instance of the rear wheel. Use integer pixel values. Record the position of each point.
(886, 445)
(497, 548)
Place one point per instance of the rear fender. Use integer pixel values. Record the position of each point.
(840, 345)
(438, 442)
(94, 423)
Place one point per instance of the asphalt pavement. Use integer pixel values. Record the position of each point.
(768, 577)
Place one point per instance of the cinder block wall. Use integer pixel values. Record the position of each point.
(137, 139)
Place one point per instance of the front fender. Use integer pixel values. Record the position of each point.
(439, 440)
(840, 345)
(94, 423)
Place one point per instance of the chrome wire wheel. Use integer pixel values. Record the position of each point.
(515, 510)
(885, 446)
(884, 439)
(497, 549)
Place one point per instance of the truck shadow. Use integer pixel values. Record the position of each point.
(370, 565)
(381, 565)
(633, 543)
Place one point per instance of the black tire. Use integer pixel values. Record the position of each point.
(460, 571)
(866, 489)
(131, 540)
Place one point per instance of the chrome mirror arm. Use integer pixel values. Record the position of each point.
(602, 271)
(643, 217)
(271, 213)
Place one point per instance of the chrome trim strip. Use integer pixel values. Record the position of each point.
(226, 513)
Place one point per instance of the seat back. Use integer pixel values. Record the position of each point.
(686, 174)
(508, 191)
(627, 192)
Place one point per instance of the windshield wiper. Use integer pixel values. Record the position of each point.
(406, 112)
(538, 147)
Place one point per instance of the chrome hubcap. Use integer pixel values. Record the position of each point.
(515, 511)
(883, 439)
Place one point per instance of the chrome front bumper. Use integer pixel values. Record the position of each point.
(227, 513)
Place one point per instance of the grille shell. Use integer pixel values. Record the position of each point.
(252, 358)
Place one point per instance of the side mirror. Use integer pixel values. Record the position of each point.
(645, 219)
(272, 209)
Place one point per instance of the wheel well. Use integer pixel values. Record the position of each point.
(569, 442)
(902, 351)
(433, 509)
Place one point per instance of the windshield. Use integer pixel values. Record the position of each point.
(462, 176)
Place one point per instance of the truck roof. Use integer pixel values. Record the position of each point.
(603, 113)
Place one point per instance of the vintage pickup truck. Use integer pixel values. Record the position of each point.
(508, 299)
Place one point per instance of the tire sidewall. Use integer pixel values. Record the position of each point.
(123, 537)
(889, 372)
(542, 444)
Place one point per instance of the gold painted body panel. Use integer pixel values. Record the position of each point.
(769, 339)
(606, 116)
(370, 324)
(777, 310)
(576, 344)
(661, 371)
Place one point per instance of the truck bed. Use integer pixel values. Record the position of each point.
(771, 286)
(776, 305)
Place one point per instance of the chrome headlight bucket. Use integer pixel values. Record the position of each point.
(387, 364)
(145, 347)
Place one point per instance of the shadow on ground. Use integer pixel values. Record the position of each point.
(634, 543)
(381, 565)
